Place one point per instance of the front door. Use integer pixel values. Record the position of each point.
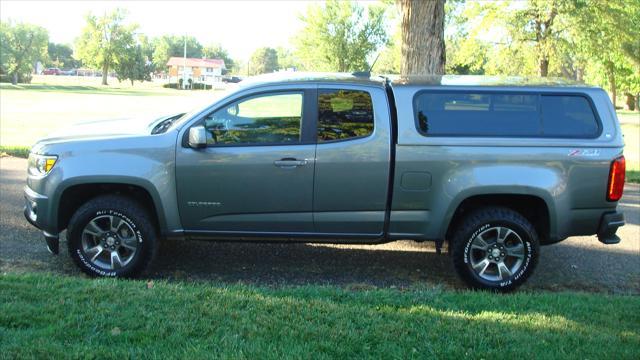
(256, 174)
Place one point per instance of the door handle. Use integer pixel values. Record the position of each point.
(290, 163)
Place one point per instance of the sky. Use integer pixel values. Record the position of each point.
(239, 26)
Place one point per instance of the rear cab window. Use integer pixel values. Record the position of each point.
(344, 115)
(505, 114)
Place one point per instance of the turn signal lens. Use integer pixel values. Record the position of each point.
(41, 164)
(616, 179)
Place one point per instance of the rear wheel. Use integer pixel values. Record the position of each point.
(112, 236)
(495, 248)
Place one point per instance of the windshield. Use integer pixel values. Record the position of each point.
(177, 121)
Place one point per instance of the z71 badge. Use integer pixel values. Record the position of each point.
(585, 152)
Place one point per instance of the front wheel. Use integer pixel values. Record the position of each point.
(111, 236)
(495, 248)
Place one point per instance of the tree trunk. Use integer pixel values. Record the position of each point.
(14, 78)
(544, 67)
(630, 102)
(105, 72)
(580, 75)
(611, 75)
(423, 50)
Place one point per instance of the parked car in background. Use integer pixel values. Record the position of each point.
(493, 167)
(70, 72)
(51, 71)
(231, 79)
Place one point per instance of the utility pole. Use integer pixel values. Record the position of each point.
(184, 65)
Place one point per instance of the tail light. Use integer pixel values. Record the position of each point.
(616, 179)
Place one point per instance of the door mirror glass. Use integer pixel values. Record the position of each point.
(233, 110)
(197, 137)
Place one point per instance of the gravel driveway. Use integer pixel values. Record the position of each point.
(579, 263)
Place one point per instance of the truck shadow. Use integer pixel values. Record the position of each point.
(297, 264)
(561, 267)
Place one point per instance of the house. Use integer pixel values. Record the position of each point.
(206, 71)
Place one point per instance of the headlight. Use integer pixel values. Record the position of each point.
(41, 164)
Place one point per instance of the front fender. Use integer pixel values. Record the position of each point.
(147, 162)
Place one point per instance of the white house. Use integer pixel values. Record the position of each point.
(207, 71)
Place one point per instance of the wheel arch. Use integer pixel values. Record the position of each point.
(537, 208)
(73, 194)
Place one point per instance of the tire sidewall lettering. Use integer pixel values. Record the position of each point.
(139, 238)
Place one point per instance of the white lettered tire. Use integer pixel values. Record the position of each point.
(112, 236)
(495, 248)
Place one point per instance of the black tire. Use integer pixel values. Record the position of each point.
(131, 216)
(490, 222)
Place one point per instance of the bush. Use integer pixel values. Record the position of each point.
(170, 86)
(200, 86)
(17, 151)
(194, 86)
(22, 78)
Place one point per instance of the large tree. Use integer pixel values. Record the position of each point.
(423, 50)
(263, 60)
(339, 36)
(607, 32)
(287, 59)
(216, 51)
(105, 40)
(21, 45)
(133, 65)
(61, 55)
(173, 45)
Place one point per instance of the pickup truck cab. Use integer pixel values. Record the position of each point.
(493, 167)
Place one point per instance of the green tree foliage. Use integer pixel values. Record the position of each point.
(216, 51)
(607, 33)
(173, 45)
(61, 56)
(105, 40)
(287, 59)
(590, 40)
(133, 65)
(340, 36)
(389, 58)
(502, 37)
(263, 60)
(21, 46)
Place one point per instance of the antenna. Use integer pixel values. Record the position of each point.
(374, 63)
(367, 73)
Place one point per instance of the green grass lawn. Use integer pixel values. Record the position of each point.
(626, 116)
(31, 111)
(58, 316)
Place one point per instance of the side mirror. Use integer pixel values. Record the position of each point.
(197, 137)
(233, 110)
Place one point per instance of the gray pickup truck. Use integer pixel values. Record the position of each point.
(492, 167)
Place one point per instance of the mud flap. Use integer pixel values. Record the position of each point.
(53, 243)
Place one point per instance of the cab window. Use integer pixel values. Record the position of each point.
(263, 119)
(344, 114)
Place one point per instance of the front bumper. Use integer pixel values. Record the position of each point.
(35, 207)
(34, 211)
(609, 224)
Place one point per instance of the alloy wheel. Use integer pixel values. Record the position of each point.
(497, 253)
(109, 242)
